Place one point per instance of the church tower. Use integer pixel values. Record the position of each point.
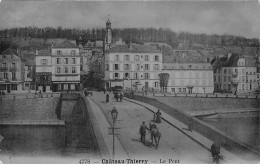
(108, 37)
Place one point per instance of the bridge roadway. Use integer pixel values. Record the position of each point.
(177, 143)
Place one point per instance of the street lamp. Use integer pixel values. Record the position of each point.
(114, 114)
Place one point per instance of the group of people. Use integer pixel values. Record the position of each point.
(118, 96)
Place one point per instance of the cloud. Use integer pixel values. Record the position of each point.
(218, 17)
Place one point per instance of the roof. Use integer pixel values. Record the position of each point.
(65, 44)
(134, 49)
(28, 56)
(225, 61)
(9, 52)
(44, 53)
(30, 62)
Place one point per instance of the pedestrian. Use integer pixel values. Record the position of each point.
(142, 131)
(158, 116)
(117, 96)
(107, 97)
(121, 96)
(215, 149)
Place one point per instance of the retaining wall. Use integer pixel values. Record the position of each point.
(201, 127)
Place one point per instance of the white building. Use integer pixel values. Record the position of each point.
(235, 73)
(43, 63)
(65, 66)
(133, 66)
(189, 77)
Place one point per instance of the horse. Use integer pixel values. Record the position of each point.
(156, 135)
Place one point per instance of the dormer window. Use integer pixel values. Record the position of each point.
(73, 52)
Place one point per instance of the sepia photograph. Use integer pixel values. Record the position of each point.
(129, 82)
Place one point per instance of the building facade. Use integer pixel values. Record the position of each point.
(189, 77)
(235, 74)
(11, 72)
(43, 63)
(133, 66)
(65, 60)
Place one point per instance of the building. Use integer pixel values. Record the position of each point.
(65, 60)
(189, 77)
(133, 66)
(11, 72)
(235, 73)
(29, 70)
(43, 63)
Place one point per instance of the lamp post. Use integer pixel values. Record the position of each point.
(114, 114)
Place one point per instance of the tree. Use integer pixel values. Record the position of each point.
(164, 78)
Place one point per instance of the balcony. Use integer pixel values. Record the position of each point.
(3, 69)
(14, 79)
(12, 69)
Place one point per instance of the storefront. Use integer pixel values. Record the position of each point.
(10, 87)
(43, 82)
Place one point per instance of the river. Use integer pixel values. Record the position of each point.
(246, 129)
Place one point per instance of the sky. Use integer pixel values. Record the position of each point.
(211, 17)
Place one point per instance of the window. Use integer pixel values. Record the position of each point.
(156, 58)
(66, 86)
(13, 75)
(137, 66)
(73, 52)
(184, 89)
(179, 89)
(224, 78)
(13, 87)
(127, 58)
(127, 67)
(73, 69)
(73, 60)
(146, 66)
(58, 70)
(66, 61)
(72, 86)
(173, 90)
(4, 65)
(44, 62)
(59, 52)
(135, 76)
(156, 84)
(156, 67)
(58, 60)
(229, 78)
(116, 75)
(146, 75)
(218, 78)
(59, 86)
(66, 69)
(116, 67)
(225, 71)
(137, 58)
(107, 67)
(146, 58)
(5, 75)
(127, 75)
(13, 65)
(117, 57)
